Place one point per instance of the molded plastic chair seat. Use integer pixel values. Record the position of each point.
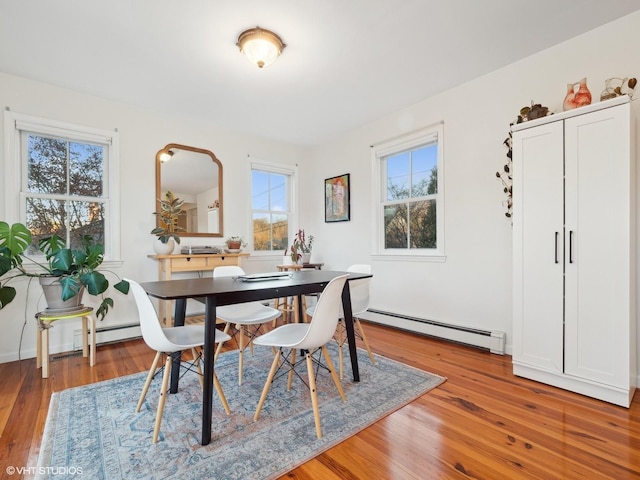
(288, 335)
(309, 338)
(166, 341)
(359, 292)
(188, 336)
(243, 316)
(246, 313)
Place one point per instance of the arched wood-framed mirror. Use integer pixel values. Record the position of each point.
(194, 175)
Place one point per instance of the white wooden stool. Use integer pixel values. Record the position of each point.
(45, 320)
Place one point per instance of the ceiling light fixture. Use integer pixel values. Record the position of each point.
(261, 46)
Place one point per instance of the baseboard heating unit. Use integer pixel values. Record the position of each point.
(114, 333)
(493, 341)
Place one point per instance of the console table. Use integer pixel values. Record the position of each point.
(169, 264)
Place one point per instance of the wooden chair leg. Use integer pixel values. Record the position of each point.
(241, 347)
(295, 302)
(223, 399)
(250, 344)
(340, 351)
(163, 396)
(357, 323)
(152, 370)
(219, 347)
(267, 385)
(332, 369)
(314, 394)
(276, 305)
(290, 376)
(282, 304)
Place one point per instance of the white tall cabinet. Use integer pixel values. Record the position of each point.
(574, 251)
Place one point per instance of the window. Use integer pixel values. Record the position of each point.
(271, 201)
(410, 202)
(66, 181)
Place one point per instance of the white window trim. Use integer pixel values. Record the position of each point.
(272, 167)
(389, 147)
(14, 123)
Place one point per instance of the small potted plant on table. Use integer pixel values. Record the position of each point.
(301, 248)
(235, 244)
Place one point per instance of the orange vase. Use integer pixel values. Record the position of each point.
(580, 98)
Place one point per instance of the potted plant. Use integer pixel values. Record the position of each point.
(301, 247)
(235, 244)
(167, 229)
(69, 270)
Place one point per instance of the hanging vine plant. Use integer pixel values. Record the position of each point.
(506, 178)
(526, 113)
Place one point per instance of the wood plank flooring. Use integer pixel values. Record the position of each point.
(482, 423)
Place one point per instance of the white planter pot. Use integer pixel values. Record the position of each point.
(164, 248)
(306, 258)
(53, 295)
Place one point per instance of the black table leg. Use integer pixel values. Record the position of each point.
(209, 350)
(351, 337)
(178, 321)
(301, 314)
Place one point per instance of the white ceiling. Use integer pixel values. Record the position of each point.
(347, 62)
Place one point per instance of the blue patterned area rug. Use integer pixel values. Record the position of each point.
(94, 432)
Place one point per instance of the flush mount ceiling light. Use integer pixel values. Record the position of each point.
(261, 46)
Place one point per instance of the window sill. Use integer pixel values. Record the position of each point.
(33, 268)
(409, 258)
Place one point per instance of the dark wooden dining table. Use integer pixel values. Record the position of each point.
(229, 290)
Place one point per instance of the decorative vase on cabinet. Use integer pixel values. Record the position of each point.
(577, 98)
(573, 258)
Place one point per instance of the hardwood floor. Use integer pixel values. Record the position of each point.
(482, 423)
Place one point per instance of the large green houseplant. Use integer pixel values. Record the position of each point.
(73, 269)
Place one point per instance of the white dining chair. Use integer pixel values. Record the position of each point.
(167, 341)
(309, 338)
(360, 296)
(247, 318)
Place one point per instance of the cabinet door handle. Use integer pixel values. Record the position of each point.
(570, 246)
(556, 246)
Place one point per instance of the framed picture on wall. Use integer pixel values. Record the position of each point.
(337, 199)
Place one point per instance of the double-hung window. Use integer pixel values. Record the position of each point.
(63, 181)
(410, 201)
(272, 194)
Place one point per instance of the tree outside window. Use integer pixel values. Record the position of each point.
(410, 203)
(271, 210)
(64, 188)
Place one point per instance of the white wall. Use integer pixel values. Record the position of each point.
(142, 134)
(473, 287)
